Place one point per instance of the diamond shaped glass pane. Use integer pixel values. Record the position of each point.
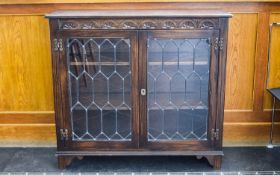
(79, 120)
(85, 89)
(74, 89)
(155, 57)
(186, 55)
(92, 57)
(193, 88)
(100, 89)
(123, 117)
(94, 120)
(202, 56)
(170, 57)
(155, 122)
(170, 121)
(162, 86)
(178, 85)
(76, 57)
(107, 57)
(116, 90)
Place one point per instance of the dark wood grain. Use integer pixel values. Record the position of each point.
(62, 28)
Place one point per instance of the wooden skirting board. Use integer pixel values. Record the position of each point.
(29, 133)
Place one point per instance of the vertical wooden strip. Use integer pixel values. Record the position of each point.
(261, 60)
(241, 59)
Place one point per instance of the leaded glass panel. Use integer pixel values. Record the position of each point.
(99, 74)
(177, 82)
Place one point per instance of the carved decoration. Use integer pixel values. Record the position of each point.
(129, 25)
(148, 25)
(70, 25)
(91, 25)
(109, 25)
(169, 25)
(206, 24)
(187, 24)
(157, 23)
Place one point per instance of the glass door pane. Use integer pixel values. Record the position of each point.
(177, 84)
(99, 74)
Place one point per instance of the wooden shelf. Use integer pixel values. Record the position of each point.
(171, 63)
(115, 101)
(151, 63)
(100, 63)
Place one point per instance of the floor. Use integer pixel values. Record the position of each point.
(235, 160)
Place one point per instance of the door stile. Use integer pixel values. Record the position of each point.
(56, 81)
(222, 57)
(213, 84)
(143, 35)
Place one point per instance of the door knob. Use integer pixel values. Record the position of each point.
(143, 92)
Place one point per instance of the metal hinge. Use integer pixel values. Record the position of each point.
(64, 134)
(219, 43)
(215, 134)
(58, 46)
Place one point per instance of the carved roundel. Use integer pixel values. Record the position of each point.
(129, 25)
(169, 25)
(206, 24)
(109, 25)
(187, 24)
(90, 25)
(70, 25)
(148, 25)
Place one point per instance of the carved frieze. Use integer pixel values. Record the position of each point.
(177, 23)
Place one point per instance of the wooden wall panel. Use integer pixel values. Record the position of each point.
(26, 96)
(240, 63)
(274, 61)
(25, 135)
(249, 134)
(25, 69)
(35, 117)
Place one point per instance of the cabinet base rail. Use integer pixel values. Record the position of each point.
(65, 158)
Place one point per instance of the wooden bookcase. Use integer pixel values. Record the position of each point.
(145, 82)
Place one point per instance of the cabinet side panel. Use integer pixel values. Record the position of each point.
(222, 80)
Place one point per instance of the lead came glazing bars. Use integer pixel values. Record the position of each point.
(177, 68)
(99, 88)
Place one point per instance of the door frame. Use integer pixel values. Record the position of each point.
(212, 95)
(63, 109)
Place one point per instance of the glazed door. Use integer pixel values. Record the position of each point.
(178, 89)
(99, 80)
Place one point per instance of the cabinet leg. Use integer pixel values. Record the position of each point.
(215, 161)
(64, 161)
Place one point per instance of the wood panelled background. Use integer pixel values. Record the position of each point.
(26, 96)
(241, 51)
